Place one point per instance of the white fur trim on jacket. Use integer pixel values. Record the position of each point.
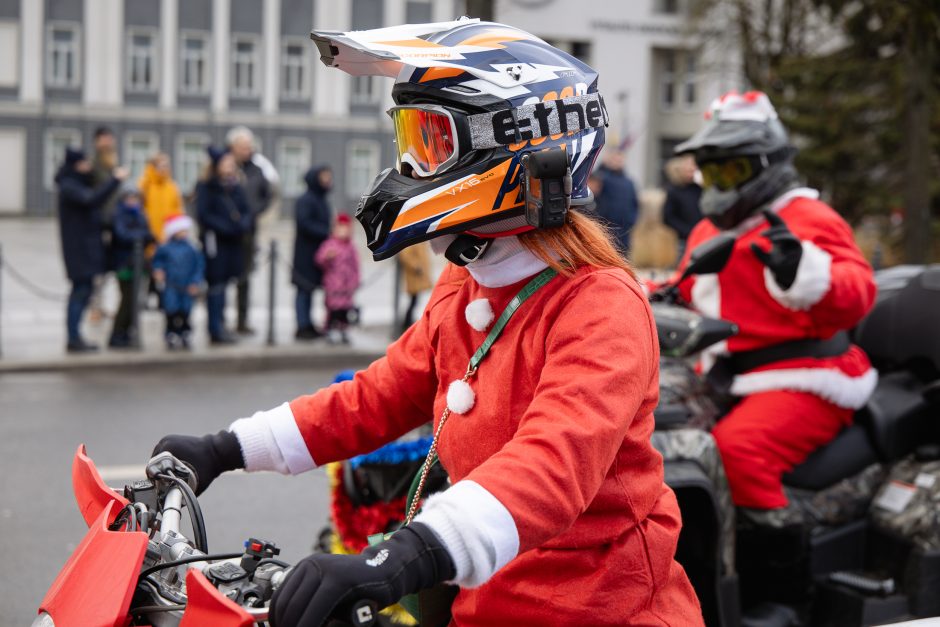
(833, 385)
(271, 440)
(460, 396)
(479, 314)
(475, 528)
(813, 279)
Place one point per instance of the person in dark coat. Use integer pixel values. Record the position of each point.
(80, 229)
(223, 215)
(259, 193)
(681, 210)
(617, 203)
(313, 218)
(130, 229)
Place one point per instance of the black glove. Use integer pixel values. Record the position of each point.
(208, 456)
(785, 252)
(323, 584)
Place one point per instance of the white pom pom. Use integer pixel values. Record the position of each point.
(460, 397)
(479, 314)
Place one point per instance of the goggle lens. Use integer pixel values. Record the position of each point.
(425, 136)
(726, 174)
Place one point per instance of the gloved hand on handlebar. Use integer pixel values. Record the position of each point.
(208, 456)
(323, 584)
(785, 252)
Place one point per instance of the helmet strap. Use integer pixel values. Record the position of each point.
(466, 249)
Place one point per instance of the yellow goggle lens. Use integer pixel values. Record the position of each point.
(426, 136)
(726, 174)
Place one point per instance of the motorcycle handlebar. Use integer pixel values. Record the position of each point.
(361, 614)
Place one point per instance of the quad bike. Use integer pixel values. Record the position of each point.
(135, 567)
(862, 542)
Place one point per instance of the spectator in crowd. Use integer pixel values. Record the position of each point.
(80, 230)
(312, 216)
(681, 210)
(340, 263)
(161, 195)
(129, 230)
(104, 161)
(259, 194)
(416, 266)
(617, 203)
(224, 215)
(179, 270)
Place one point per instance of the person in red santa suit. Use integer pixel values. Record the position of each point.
(794, 284)
(536, 357)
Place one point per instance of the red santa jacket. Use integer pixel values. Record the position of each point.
(559, 433)
(833, 290)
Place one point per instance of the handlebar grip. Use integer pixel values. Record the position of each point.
(363, 613)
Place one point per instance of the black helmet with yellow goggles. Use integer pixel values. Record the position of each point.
(744, 155)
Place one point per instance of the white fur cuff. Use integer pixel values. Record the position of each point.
(479, 314)
(271, 440)
(475, 528)
(833, 385)
(813, 279)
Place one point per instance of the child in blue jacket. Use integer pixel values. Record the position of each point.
(179, 270)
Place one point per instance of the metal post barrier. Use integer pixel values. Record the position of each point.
(1, 296)
(272, 280)
(396, 304)
(134, 331)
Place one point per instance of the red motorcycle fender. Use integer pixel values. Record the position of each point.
(91, 493)
(95, 586)
(207, 606)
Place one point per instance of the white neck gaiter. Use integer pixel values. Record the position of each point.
(506, 261)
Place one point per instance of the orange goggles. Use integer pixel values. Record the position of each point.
(426, 137)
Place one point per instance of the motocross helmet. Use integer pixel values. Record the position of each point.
(472, 100)
(744, 155)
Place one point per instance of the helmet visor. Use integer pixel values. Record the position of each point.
(426, 138)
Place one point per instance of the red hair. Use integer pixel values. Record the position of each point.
(582, 241)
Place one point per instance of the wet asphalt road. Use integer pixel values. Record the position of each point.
(119, 417)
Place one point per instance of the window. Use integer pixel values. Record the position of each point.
(362, 164)
(364, 90)
(667, 81)
(418, 12)
(142, 60)
(63, 55)
(10, 52)
(667, 6)
(580, 50)
(190, 157)
(194, 63)
(138, 149)
(293, 161)
(295, 68)
(57, 140)
(245, 65)
(689, 87)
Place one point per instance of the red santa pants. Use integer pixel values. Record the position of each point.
(766, 434)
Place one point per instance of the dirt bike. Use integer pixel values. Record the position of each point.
(135, 566)
(856, 552)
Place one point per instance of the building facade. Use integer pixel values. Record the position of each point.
(657, 74)
(176, 75)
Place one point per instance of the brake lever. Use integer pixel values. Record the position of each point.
(166, 463)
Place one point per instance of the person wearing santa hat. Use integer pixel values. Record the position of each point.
(794, 284)
(536, 358)
(178, 270)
